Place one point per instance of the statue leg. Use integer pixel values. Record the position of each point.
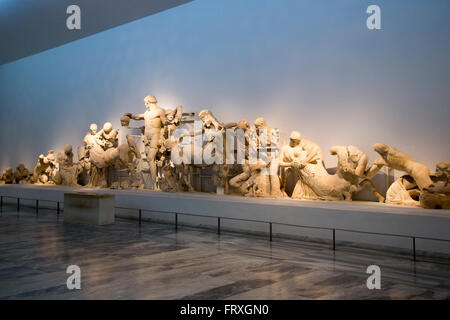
(376, 166)
(366, 183)
(421, 176)
(151, 155)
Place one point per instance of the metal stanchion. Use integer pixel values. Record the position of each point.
(140, 216)
(176, 221)
(414, 248)
(334, 240)
(270, 224)
(218, 225)
(37, 207)
(57, 208)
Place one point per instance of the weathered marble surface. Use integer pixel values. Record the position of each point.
(125, 261)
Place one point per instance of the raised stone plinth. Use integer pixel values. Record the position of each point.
(89, 208)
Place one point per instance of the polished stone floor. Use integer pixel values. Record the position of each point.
(154, 261)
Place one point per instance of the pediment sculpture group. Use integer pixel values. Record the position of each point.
(102, 162)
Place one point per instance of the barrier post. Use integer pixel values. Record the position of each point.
(176, 221)
(334, 239)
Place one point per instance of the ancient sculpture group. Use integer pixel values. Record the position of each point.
(246, 159)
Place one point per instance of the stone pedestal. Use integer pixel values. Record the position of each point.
(89, 208)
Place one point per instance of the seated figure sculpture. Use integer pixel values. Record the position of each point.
(401, 192)
(67, 173)
(22, 175)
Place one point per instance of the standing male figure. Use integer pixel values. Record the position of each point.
(154, 118)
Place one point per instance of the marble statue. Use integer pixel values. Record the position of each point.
(89, 138)
(401, 192)
(167, 171)
(352, 163)
(437, 195)
(268, 151)
(252, 182)
(104, 153)
(293, 150)
(264, 170)
(7, 176)
(43, 171)
(155, 119)
(395, 159)
(107, 137)
(305, 159)
(22, 175)
(67, 171)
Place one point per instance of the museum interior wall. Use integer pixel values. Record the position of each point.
(302, 66)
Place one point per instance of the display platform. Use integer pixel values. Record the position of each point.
(89, 208)
(344, 217)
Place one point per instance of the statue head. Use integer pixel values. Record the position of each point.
(125, 119)
(20, 167)
(243, 124)
(149, 100)
(260, 123)
(93, 128)
(67, 149)
(295, 138)
(51, 155)
(209, 120)
(107, 127)
(170, 115)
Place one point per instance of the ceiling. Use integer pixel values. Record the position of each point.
(28, 27)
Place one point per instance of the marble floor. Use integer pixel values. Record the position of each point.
(154, 261)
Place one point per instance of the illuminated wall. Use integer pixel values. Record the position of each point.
(310, 65)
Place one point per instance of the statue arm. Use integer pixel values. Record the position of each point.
(178, 114)
(377, 165)
(361, 167)
(230, 125)
(282, 162)
(139, 116)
